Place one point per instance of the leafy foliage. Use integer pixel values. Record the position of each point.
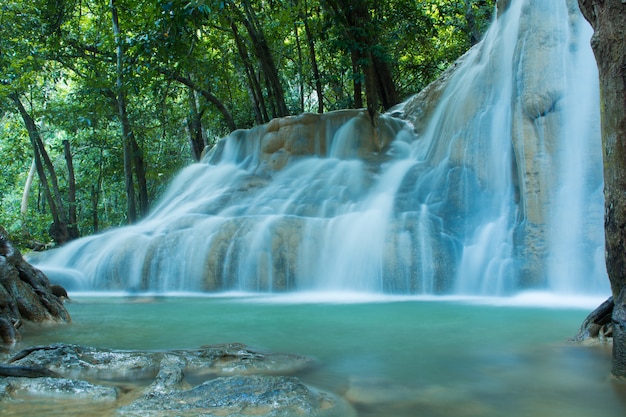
(193, 70)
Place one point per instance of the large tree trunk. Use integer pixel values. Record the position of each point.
(608, 19)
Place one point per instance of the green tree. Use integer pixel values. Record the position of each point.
(136, 98)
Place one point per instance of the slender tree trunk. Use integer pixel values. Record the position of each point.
(25, 196)
(194, 126)
(95, 196)
(300, 66)
(472, 29)
(131, 208)
(260, 108)
(357, 78)
(264, 55)
(27, 187)
(72, 220)
(270, 95)
(608, 19)
(140, 173)
(58, 229)
(206, 94)
(313, 57)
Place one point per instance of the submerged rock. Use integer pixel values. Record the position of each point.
(211, 360)
(269, 396)
(225, 380)
(75, 361)
(56, 388)
(238, 359)
(379, 396)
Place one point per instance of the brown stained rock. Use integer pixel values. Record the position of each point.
(25, 293)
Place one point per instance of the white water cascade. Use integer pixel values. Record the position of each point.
(487, 183)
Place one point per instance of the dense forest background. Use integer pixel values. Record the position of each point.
(101, 102)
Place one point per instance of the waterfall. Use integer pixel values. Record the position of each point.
(488, 182)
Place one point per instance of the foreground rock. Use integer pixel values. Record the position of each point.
(56, 388)
(598, 326)
(208, 361)
(25, 293)
(225, 380)
(241, 395)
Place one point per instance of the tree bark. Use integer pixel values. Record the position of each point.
(316, 72)
(206, 94)
(131, 208)
(133, 158)
(72, 220)
(379, 85)
(140, 173)
(300, 67)
(58, 229)
(608, 19)
(194, 126)
(264, 55)
(357, 78)
(260, 109)
(27, 187)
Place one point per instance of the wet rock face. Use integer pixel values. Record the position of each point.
(241, 395)
(25, 293)
(276, 144)
(58, 388)
(207, 361)
(225, 380)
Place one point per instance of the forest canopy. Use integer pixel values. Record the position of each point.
(102, 102)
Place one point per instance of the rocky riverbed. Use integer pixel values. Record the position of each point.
(216, 380)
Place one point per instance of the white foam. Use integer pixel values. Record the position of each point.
(530, 299)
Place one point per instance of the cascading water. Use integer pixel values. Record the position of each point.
(495, 189)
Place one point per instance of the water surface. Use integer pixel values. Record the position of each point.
(403, 357)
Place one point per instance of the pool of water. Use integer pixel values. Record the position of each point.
(392, 356)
